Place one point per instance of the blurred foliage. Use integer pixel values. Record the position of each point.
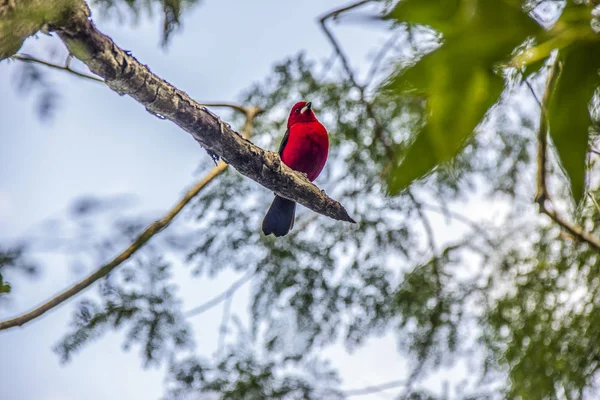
(461, 79)
(458, 80)
(145, 299)
(171, 10)
(569, 117)
(325, 281)
(548, 323)
(32, 79)
(516, 299)
(4, 286)
(15, 259)
(240, 376)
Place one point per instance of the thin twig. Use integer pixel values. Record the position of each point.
(327, 66)
(227, 293)
(67, 67)
(442, 209)
(137, 244)
(425, 221)
(437, 312)
(346, 65)
(215, 301)
(594, 201)
(537, 100)
(373, 388)
(333, 14)
(415, 373)
(237, 107)
(542, 196)
(461, 218)
(224, 324)
(378, 60)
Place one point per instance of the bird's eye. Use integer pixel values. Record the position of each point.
(297, 110)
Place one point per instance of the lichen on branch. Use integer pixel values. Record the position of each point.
(20, 19)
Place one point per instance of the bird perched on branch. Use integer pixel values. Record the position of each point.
(304, 148)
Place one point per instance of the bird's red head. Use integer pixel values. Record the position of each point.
(301, 112)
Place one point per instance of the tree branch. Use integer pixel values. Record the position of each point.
(542, 197)
(126, 76)
(237, 107)
(67, 67)
(138, 243)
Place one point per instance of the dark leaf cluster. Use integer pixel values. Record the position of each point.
(170, 10)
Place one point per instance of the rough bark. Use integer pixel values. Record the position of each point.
(125, 75)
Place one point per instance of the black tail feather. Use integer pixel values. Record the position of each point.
(280, 217)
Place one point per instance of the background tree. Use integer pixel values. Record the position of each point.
(507, 293)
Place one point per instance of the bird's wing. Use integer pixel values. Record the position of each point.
(284, 141)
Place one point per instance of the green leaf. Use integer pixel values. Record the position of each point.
(4, 286)
(458, 80)
(439, 14)
(568, 113)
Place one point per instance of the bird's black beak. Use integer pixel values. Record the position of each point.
(306, 107)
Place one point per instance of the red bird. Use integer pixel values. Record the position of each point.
(304, 148)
